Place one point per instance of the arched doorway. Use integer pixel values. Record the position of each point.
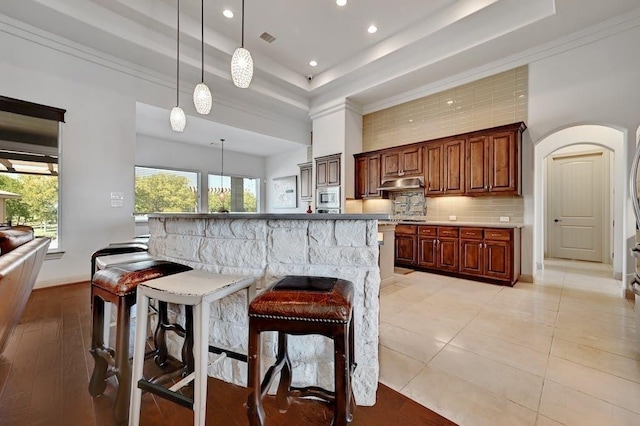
(604, 136)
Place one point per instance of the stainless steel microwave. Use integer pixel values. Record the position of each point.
(328, 197)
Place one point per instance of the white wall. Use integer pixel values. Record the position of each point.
(98, 139)
(592, 84)
(281, 165)
(353, 145)
(329, 137)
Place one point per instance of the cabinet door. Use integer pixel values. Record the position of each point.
(454, 160)
(427, 250)
(471, 257)
(434, 173)
(306, 184)
(373, 176)
(391, 164)
(503, 163)
(477, 163)
(333, 171)
(448, 249)
(406, 249)
(361, 177)
(497, 259)
(411, 163)
(321, 173)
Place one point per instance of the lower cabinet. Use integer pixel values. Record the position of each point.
(486, 254)
(406, 250)
(438, 247)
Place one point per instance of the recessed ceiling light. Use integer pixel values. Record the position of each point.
(227, 13)
(372, 29)
(341, 2)
(449, 102)
(313, 63)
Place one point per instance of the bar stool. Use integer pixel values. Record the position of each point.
(117, 285)
(196, 290)
(300, 305)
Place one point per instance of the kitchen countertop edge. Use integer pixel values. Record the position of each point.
(273, 216)
(507, 225)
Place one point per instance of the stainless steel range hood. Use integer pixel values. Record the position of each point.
(402, 184)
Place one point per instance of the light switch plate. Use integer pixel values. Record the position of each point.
(452, 217)
(504, 218)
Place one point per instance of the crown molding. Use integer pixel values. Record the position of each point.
(580, 38)
(341, 105)
(65, 46)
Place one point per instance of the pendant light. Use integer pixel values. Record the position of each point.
(202, 95)
(177, 118)
(221, 191)
(242, 63)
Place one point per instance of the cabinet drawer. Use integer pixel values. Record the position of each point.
(427, 231)
(471, 233)
(497, 234)
(447, 231)
(406, 229)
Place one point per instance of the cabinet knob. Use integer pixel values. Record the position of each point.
(486, 187)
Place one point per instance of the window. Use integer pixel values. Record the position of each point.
(29, 151)
(234, 194)
(165, 190)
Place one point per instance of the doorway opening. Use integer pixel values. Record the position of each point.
(598, 137)
(578, 189)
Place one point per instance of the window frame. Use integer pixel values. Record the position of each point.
(258, 195)
(44, 112)
(142, 217)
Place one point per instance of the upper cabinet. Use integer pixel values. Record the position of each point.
(485, 162)
(402, 162)
(493, 161)
(328, 170)
(444, 169)
(367, 179)
(306, 182)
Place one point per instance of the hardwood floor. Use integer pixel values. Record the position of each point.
(44, 373)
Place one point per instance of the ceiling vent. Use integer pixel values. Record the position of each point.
(267, 37)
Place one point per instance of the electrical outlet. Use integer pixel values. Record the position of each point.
(452, 217)
(504, 218)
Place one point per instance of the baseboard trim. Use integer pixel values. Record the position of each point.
(526, 279)
(60, 281)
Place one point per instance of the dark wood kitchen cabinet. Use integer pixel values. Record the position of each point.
(445, 167)
(492, 253)
(367, 176)
(438, 247)
(306, 181)
(406, 245)
(328, 170)
(493, 161)
(402, 162)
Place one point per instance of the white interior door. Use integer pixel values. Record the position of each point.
(576, 188)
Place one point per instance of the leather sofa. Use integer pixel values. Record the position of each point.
(21, 257)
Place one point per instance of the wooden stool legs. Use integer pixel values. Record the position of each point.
(107, 361)
(342, 397)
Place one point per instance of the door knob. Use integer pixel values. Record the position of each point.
(557, 220)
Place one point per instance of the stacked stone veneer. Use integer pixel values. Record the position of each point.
(269, 249)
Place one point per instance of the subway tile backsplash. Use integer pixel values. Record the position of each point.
(486, 209)
(488, 102)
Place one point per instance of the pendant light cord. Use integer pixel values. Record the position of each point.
(202, 36)
(178, 58)
(242, 42)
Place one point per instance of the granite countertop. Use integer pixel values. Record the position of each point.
(507, 225)
(272, 216)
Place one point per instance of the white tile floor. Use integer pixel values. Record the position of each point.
(558, 352)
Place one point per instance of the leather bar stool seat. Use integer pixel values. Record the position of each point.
(117, 284)
(300, 305)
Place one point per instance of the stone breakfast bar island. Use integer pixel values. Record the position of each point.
(268, 247)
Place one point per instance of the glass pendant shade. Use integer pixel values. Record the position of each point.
(178, 119)
(241, 67)
(202, 98)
